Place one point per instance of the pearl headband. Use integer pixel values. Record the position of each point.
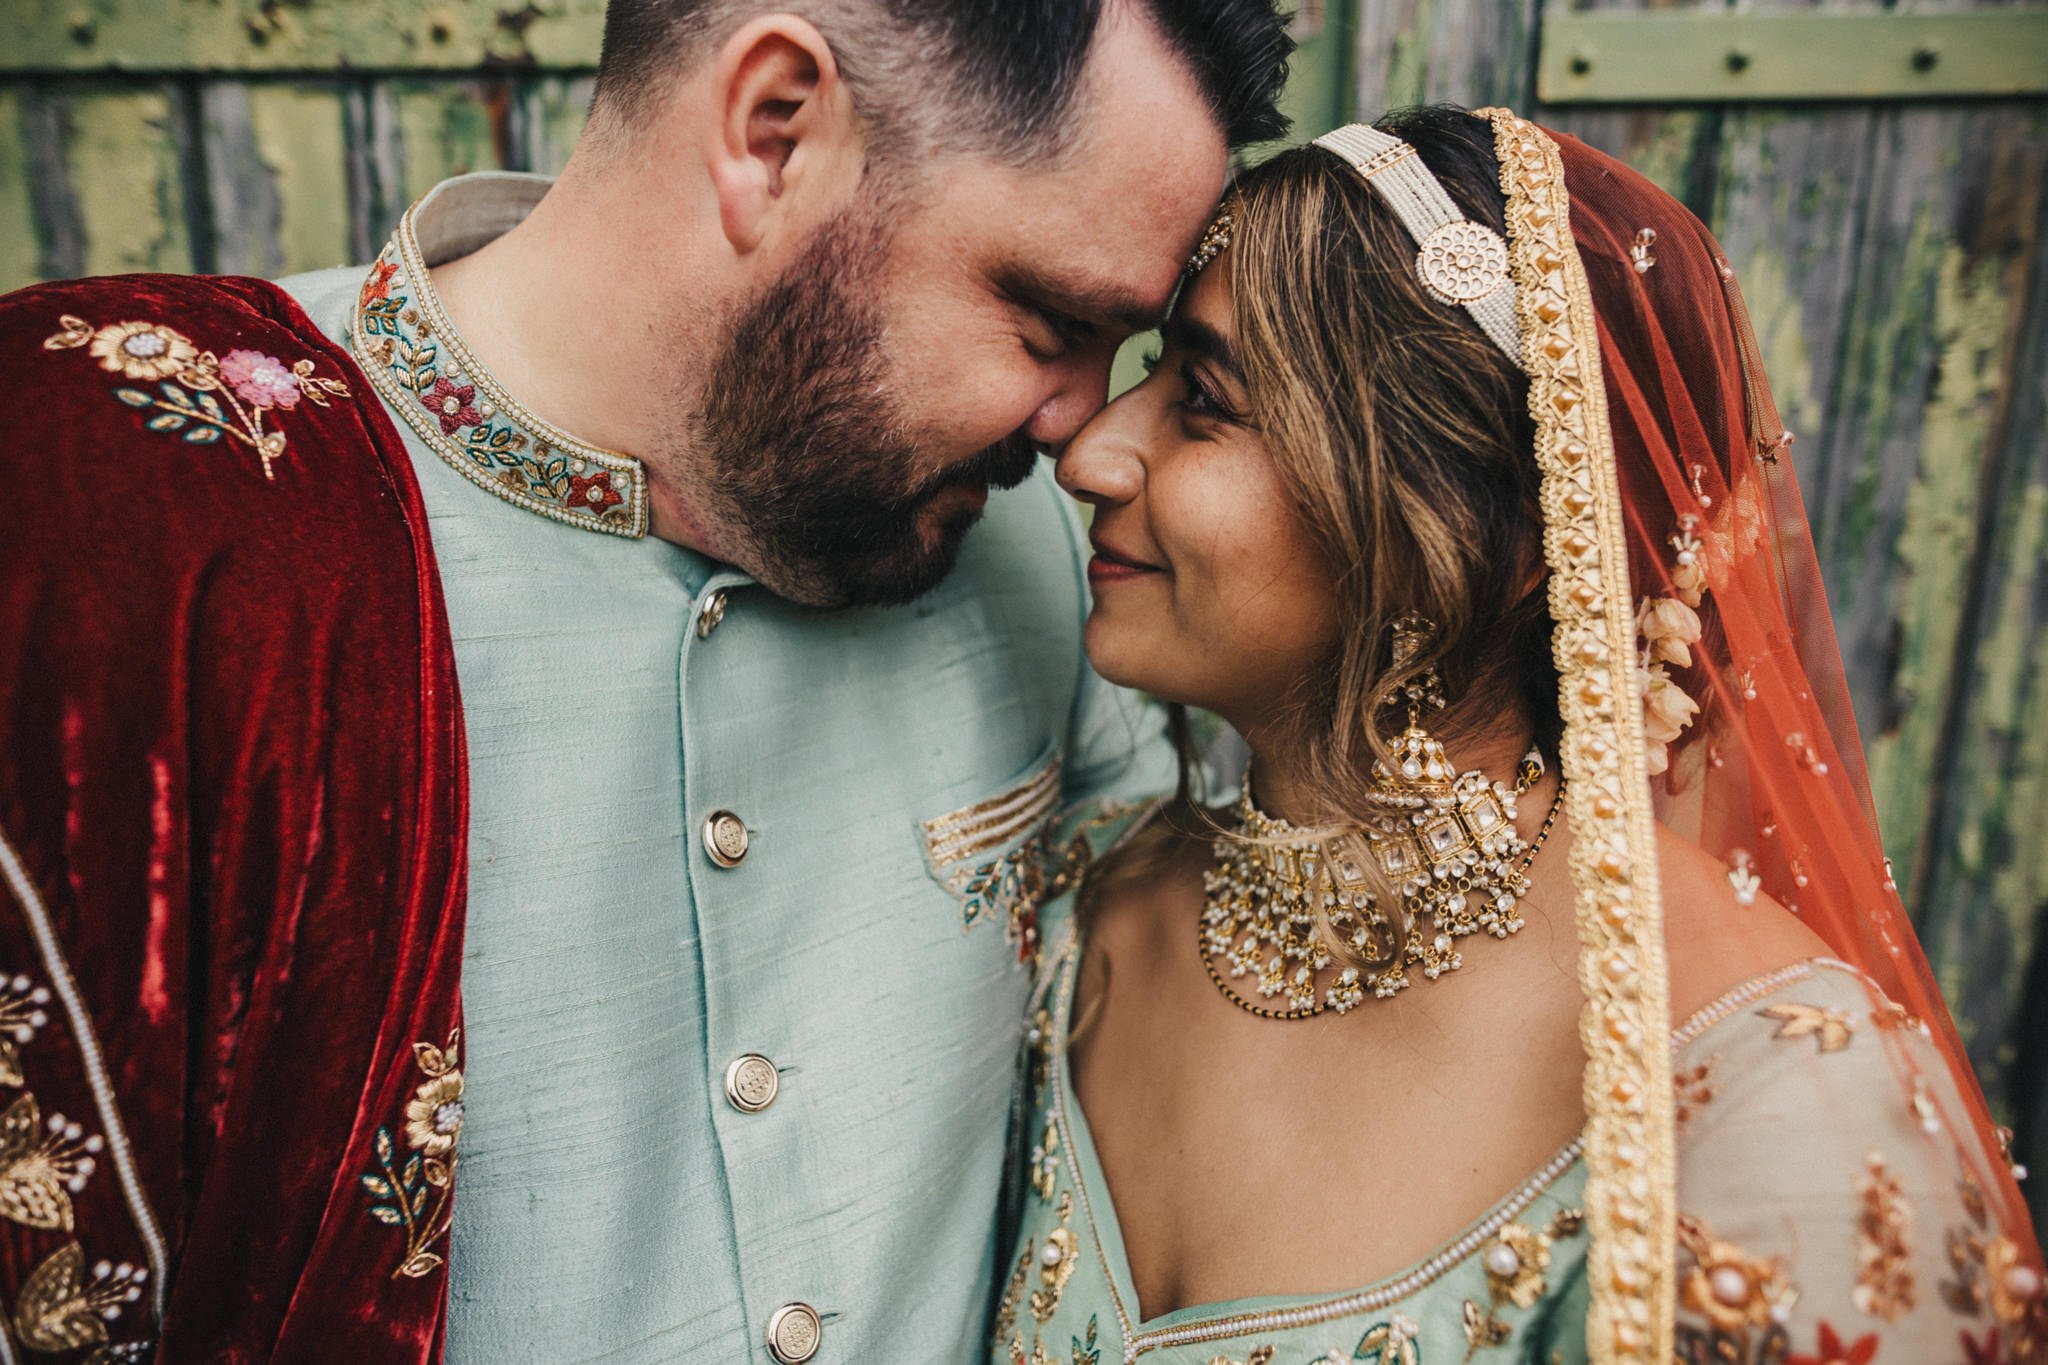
(1458, 261)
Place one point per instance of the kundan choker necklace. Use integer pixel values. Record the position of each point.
(1443, 841)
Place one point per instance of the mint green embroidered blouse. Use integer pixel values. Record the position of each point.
(892, 769)
(1821, 1209)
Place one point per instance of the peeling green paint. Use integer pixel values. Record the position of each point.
(1778, 315)
(300, 139)
(447, 129)
(1970, 323)
(314, 35)
(19, 253)
(124, 170)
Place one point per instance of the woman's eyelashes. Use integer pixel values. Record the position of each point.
(1200, 398)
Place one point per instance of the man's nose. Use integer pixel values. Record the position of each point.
(1083, 391)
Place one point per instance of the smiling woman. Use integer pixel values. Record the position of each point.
(1543, 991)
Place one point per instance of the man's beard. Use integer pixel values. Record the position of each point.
(808, 450)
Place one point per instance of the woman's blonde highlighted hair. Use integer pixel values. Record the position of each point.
(1404, 436)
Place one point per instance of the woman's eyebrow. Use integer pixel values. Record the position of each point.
(1199, 339)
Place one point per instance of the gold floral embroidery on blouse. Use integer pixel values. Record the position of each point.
(1732, 1290)
(1013, 1295)
(1830, 1028)
(1260, 1355)
(1390, 1343)
(415, 1195)
(1886, 1286)
(1693, 1089)
(1516, 1261)
(1056, 1260)
(1045, 1163)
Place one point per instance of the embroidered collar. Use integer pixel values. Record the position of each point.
(420, 366)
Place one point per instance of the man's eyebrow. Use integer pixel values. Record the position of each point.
(1199, 339)
(1085, 299)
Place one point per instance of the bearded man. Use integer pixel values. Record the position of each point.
(669, 467)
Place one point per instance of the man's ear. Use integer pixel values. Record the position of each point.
(784, 142)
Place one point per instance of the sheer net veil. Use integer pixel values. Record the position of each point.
(1701, 688)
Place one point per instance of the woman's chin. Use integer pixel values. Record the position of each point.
(1112, 651)
(1127, 657)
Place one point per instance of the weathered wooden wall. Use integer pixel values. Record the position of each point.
(255, 175)
(1892, 253)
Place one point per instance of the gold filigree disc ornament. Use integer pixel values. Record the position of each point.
(1461, 262)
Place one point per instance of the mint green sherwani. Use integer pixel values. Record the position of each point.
(892, 770)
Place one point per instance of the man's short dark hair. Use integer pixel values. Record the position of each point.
(1007, 70)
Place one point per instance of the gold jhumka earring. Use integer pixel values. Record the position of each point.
(1443, 842)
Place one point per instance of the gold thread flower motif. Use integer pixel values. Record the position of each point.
(1045, 1162)
(141, 350)
(1831, 1029)
(1725, 1285)
(64, 1308)
(1390, 1343)
(22, 1016)
(42, 1165)
(1056, 1260)
(1885, 1284)
(414, 1194)
(433, 1117)
(2015, 1284)
(1515, 1262)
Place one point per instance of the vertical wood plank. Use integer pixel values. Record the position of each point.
(1972, 593)
(120, 156)
(546, 119)
(450, 127)
(1471, 52)
(19, 252)
(276, 180)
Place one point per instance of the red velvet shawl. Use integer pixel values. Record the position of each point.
(232, 805)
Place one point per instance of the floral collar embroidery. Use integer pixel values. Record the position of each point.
(423, 371)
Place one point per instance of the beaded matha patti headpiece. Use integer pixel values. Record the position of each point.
(1460, 263)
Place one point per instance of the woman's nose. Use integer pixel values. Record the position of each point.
(1103, 464)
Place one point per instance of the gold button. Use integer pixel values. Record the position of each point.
(725, 838)
(794, 1333)
(712, 612)
(752, 1083)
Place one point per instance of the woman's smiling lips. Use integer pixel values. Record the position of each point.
(1110, 566)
